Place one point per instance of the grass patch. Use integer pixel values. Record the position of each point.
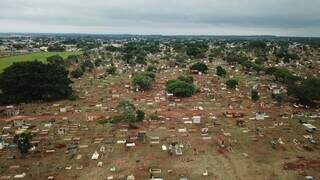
(40, 56)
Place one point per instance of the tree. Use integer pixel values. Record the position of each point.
(34, 80)
(255, 95)
(180, 88)
(257, 44)
(142, 81)
(127, 110)
(200, 67)
(285, 75)
(232, 83)
(77, 73)
(129, 113)
(23, 142)
(221, 71)
(55, 59)
(308, 92)
(56, 48)
(197, 50)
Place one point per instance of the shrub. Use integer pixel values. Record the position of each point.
(180, 88)
(150, 74)
(232, 83)
(255, 95)
(279, 97)
(140, 115)
(271, 70)
(154, 117)
(285, 75)
(23, 142)
(221, 71)
(111, 70)
(151, 68)
(188, 79)
(200, 67)
(142, 81)
(128, 113)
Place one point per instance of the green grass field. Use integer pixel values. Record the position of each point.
(40, 56)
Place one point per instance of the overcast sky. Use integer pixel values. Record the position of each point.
(212, 17)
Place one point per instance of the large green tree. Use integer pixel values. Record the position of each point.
(307, 92)
(200, 67)
(33, 81)
(142, 81)
(180, 88)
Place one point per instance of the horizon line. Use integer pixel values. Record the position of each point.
(150, 34)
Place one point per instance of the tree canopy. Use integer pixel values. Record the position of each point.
(200, 67)
(143, 80)
(307, 92)
(181, 87)
(32, 81)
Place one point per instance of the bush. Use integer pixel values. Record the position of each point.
(279, 97)
(77, 73)
(151, 68)
(232, 83)
(200, 67)
(255, 95)
(116, 119)
(140, 115)
(142, 81)
(154, 117)
(271, 70)
(23, 142)
(32, 81)
(180, 88)
(187, 79)
(111, 70)
(221, 71)
(128, 113)
(150, 74)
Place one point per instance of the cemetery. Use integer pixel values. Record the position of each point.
(216, 132)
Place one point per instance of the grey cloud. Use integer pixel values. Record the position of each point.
(295, 17)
